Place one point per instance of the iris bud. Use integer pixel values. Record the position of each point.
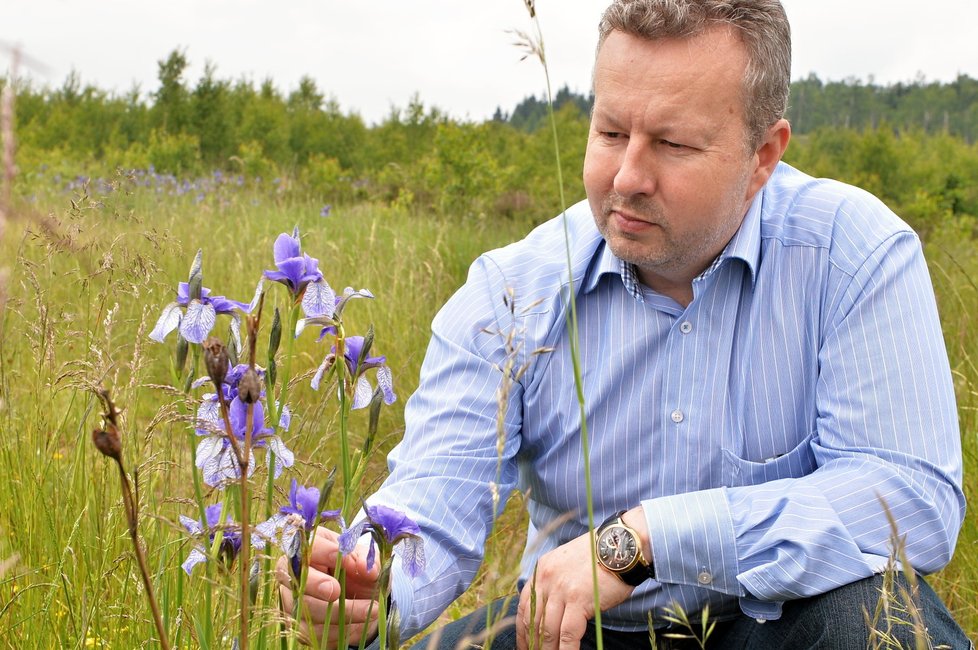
(183, 347)
(275, 336)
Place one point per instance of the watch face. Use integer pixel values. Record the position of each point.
(617, 548)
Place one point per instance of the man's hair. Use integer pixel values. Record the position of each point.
(761, 24)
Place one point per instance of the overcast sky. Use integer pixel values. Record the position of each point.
(455, 54)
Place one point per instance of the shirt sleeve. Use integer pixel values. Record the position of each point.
(455, 450)
(887, 451)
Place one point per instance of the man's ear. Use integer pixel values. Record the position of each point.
(768, 154)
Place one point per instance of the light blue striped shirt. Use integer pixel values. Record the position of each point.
(760, 427)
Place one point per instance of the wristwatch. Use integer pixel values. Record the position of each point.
(620, 551)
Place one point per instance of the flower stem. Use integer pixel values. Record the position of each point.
(341, 380)
(275, 406)
(245, 534)
(572, 329)
(130, 504)
(109, 442)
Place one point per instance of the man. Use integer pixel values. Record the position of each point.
(764, 376)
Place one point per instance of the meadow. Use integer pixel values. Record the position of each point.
(91, 261)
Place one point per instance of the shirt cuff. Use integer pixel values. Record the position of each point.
(692, 540)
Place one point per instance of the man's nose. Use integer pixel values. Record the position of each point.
(636, 172)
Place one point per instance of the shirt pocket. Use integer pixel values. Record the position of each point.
(795, 463)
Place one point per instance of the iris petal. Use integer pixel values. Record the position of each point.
(198, 322)
(385, 380)
(294, 269)
(411, 550)
(269, 529)
(192, 525)
(286, 419)
(371, 555)
(276, 276)
(208, 449)
(318, 377)
(168, 322)
(285, 247)
(362, 394)
(319, 299)
(195, 558)
(348, 538)
(283, 455)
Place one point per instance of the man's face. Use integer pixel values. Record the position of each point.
(666, 170)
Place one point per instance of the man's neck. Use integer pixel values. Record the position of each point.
(679, 289)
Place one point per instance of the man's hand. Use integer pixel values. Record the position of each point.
(564, 597)
(322, 590)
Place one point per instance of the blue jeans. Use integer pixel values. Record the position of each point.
(834, 620)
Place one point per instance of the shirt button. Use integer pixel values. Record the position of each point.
(685, 327)
(677, 416)
(704, 578)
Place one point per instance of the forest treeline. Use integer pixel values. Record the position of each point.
(912, 144)
(932, 107)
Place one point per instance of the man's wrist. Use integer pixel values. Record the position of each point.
(635, 519)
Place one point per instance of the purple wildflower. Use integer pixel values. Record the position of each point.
(389, 529)
(331, 317)
(195, 317)
(301, 515)
(205, 533)
(326, 210)
(301, 275)
(357, 365)
(201, 315)
(215, 456)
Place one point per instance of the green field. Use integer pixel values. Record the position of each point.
(90, 267)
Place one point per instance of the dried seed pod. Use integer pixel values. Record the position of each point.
(107, 441)
(216, 360)
(249, 387)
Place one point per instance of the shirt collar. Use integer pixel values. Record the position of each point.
(745, 244)
(605, 262)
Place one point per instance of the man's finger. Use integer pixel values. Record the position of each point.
(572, 628)
(325, 549)
(548, 623)
(357, 611)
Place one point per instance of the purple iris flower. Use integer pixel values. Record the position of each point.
(300, 516)
(301, 275)
(391, 530)
(330, 317)
(357, 365)
(230, 544)
(326, 210)
(199, 317)
(215, 456)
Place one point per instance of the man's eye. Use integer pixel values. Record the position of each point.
(612, 135)
(672, 145)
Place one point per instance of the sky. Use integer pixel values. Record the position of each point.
(457, 55)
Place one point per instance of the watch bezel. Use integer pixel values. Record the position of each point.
(636, 552)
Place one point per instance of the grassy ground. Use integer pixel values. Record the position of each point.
(84, 292)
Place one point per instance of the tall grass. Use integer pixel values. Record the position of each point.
(952, 251)
(82, 302)
(84, 290)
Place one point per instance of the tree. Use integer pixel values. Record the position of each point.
(171, 99)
